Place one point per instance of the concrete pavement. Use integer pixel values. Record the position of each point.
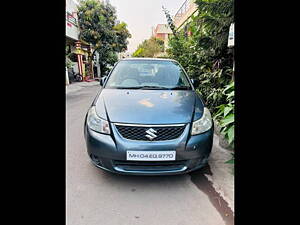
(76, 86)
(98, 197)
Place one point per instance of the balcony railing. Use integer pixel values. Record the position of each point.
(186, 9)
(71, 19)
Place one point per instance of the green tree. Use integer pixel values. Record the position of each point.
(149, 48)
(99, 26)
(122, 34)
(205, 56)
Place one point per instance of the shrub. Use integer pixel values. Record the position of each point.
(201, 48)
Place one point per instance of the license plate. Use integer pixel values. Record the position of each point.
(151, 155)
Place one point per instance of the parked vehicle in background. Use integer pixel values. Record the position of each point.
(73, 76)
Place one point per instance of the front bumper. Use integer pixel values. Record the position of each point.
(109, 153)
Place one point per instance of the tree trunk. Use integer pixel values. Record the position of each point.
(90, 62)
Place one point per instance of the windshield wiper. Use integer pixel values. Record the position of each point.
(181, 88)
(134, 87)
(142, 87)
(154, 87)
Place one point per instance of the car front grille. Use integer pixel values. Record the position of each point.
(139, 133)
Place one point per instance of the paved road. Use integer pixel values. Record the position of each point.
(95, 197)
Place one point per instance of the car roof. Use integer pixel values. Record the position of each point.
(141, 59)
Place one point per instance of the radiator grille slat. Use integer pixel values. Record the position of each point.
(138, 133)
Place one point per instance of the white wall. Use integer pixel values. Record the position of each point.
(67, 77)
(75, 67)
(72, 30)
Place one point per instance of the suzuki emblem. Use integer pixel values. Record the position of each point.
(151, 134)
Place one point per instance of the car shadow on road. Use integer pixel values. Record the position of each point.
(150, 183)
(173, 181)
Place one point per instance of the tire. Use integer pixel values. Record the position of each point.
(78, 77)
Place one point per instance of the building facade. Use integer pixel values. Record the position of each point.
(183, 15)
(72, 41)
(162, 31)
(72, 30)
(79, 50)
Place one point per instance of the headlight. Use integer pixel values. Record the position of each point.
(203, 124)
(96, 123)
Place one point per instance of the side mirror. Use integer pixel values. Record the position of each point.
(195, 82)
(102, 80)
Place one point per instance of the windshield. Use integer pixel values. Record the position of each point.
(148, 74)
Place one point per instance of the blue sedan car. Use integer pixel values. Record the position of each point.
(147, 119)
